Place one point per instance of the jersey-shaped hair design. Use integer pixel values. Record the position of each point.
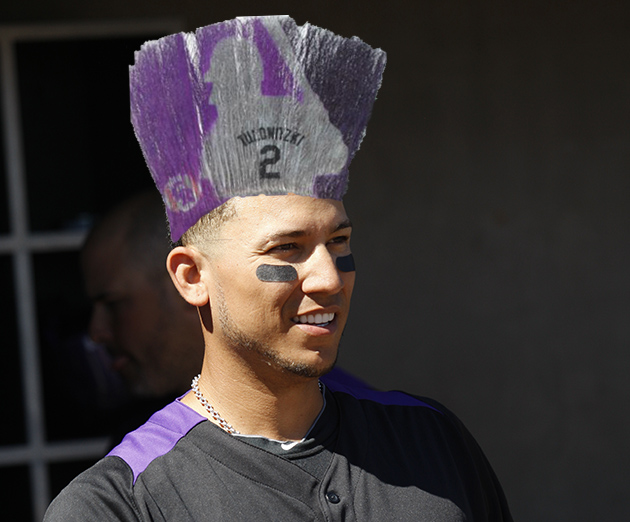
(255, 105)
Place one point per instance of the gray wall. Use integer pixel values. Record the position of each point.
(492, 233)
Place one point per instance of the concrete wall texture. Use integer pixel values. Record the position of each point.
(492, 230)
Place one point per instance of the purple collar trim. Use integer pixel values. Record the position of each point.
(389, 398)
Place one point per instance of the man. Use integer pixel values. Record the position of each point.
(267, 263)
(150, 332)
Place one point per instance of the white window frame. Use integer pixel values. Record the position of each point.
(21, 244)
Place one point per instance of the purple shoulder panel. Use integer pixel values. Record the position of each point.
(156, 437)
(339, 382)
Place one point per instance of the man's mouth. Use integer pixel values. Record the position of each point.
(314, 319)
(119, 362)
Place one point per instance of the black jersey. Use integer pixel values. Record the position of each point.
(371, 456)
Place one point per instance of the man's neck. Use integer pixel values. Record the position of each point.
(273, 405)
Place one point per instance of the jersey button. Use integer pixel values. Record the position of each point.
(333, 498)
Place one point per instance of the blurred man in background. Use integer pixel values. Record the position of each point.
(152, 335)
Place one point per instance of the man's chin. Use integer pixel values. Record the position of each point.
(307, 370)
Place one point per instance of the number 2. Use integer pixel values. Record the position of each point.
(269, 160)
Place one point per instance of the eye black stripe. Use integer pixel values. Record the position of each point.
(276, 273)
(345, 263)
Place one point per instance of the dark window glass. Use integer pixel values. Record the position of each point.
(80, 391)
(15, 493)
(4, 208)
(12, 406)
(81, 154)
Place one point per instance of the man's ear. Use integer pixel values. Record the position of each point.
(185, 266)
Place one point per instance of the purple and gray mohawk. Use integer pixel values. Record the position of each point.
(255, 105)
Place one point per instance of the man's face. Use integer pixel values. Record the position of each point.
(135, 316)
(292, 325)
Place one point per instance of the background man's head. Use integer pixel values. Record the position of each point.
(152, 334)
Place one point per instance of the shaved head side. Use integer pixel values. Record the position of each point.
(205, 231)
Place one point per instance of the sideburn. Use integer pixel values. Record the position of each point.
(206, 317)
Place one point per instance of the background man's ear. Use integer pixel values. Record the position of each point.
(184, 265)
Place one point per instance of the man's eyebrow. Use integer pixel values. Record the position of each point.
(346, 223)
(276, 236)
(301, 233)
(101, 296)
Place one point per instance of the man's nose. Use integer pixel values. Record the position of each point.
(100, 325)
(320, 273)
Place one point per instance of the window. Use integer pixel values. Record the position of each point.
(67, 154)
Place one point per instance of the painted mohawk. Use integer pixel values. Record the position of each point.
(255, 105)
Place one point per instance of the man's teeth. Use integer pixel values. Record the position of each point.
(314, 318)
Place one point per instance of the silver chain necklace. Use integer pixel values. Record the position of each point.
(223, 424)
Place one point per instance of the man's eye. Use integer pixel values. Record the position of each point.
(283, 248)
(113, 305)
(340, 240)
(110, 305)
